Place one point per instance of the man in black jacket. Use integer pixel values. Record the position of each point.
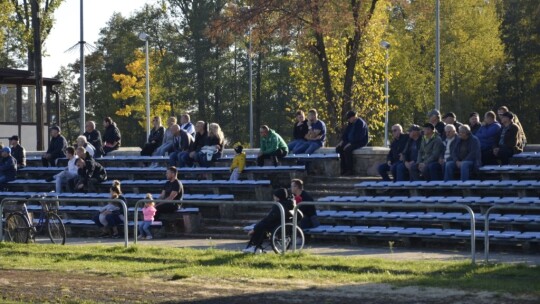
(399, 141)
(18, 151)
(56, 149)
(409, 155)
(509, 143)
(300, 130)
(93, 136)
(310, 213)
(355, 136)
(90, 173)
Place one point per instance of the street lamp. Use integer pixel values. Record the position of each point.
(386, 45)
(437, 56)
(144, 37)
(250, 60)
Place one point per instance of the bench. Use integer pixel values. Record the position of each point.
(130, 197)
(516, 171)
(466, 188)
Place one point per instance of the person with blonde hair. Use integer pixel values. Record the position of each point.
(213, 147)
(149, 211)
(82, 142)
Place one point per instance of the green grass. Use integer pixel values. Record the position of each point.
(179, 264)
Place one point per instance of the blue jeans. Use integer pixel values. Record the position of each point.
(293, 144)
(402, 173)
(435, 171)
(174, 158)
(164, 148)
(466, 168)
(308, 147)
(203, 161)
(144, 228)
(62, 178)
(384, 168)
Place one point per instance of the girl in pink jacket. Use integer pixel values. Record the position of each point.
(149, 211)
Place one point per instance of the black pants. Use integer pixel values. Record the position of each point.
(148, 149)
(274, 156)
(259, 232)
(165, 208)
(51, 162)
(345, 155)
(505, 154)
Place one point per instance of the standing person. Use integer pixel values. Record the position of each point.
(155, 139)
(149, 211)
(466, 156)
(300, 130)
(431, 148)
(489, 134)
(508, 143)
(354, 137)
(168, 139)
(186, 125)
(399, 141)
(172, 191)
(315, 137)
(435, 119)
(111, 136)
(310, 219)
(213, 146)
(181, 143)
(17, 151)
(56, 148)
(94, 137)
(409, 155)
(69, 173)
(238, 163)
(187, 158)
(272, 146)
(474, 122)
(269, 222)
(8, 167)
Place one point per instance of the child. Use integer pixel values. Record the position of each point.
(238, 163)
(149, 211)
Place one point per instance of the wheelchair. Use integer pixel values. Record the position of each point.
(274, 240)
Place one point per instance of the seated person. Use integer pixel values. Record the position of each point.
(431, 148)
(181, 143)
(81, 142)
(238, 164)
(56, 148)
(309, 219)
(188, 158)
(489, 134)
(399, 141)
(17, 151)
(300, 130)
(474, 122)
(111, 137)
(173, 191)
(168, 137)
(355, 137)
(154, 139)
(466, 155)
(508, 143)
(186, 125)
(110, 216)
(450, 118)
(69, 173)
(8, 167)
(269, 222)
(522, 139)
(449, 145)
(93, 136)
(409, 154)
(434, 118)
(89, 174)
(315, 136)
(213, 147)
(272, 146)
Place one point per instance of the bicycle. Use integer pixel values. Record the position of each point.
(20, 229)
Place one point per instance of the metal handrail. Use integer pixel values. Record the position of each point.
(486, 223)
(81, 200)
(212, 203)
(394, 205)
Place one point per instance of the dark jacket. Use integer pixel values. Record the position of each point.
(475, 128)
(94, 138)
(511, 138)
(92, 169)
(182, 142)
(474, 153)
(489, 135)
(430, 149)
(273, 218)
(300, 131)
(156, 136)
(112, 134)
(8, 167)
(57, 146)
(307, 210)
(214, 141)
(440, 129)
(356, 133)
(407, 151)
(396, 147)
(19, 154)
(200, 141)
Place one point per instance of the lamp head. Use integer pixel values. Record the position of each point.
(385, 44)
(143, 36)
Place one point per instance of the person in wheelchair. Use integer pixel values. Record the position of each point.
(270, 221)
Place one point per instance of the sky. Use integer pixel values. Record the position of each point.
(66, 30)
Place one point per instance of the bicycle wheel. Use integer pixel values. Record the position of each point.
(56, 229)
(17, 228)
(277, 242)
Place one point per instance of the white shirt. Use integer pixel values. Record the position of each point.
(189, 129)
(447, 152)
(72, 165)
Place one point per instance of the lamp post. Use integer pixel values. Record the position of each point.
(250, 63)
(144, 37)
(437, 56)
(386, 45)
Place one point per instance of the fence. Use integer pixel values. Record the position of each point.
(60, 200)
(378, 205)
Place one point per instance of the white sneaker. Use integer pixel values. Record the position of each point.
(149, 237)
(140, 237)
(252, 249)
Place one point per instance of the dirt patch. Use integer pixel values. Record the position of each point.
(44, 286)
